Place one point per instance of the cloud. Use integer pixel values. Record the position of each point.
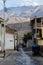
(35, 3)
(22, 2)
(27, 3)
(13, 3)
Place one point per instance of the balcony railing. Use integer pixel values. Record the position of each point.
(37, 25)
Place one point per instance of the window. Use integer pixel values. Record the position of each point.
(38, 20)
(32, 22)
(2, 25)
(39, 33)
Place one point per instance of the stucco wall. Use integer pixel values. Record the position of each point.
(9, 41)
(40, 42)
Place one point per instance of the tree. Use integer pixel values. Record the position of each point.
(27, 37)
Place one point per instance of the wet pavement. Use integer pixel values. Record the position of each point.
(19, 58)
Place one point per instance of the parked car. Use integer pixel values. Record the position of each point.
(35, 49)
(23, 45)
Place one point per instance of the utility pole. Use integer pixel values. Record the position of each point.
(35, 28)
(4, 1)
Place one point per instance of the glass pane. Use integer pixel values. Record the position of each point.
(38, 20)
(39, 33)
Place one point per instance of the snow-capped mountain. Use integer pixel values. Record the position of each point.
(24, 11)
(38, 12)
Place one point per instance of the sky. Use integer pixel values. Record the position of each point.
(15, 3)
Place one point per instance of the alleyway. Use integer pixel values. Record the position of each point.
(18, 58)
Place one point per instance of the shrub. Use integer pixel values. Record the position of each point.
(27, 37)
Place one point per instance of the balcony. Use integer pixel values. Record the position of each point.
(37, 25)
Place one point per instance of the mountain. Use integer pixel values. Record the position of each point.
(23, 11)
(38, 12)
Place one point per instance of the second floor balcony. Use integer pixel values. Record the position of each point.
(37, 25)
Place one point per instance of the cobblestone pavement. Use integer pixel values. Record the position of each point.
(18, 58)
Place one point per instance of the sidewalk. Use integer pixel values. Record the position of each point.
(39, 59)
(8, 53)
(15, 58)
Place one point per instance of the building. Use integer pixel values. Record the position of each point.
(10, 37)
(21, 25)
(15, 30)
(37, 30)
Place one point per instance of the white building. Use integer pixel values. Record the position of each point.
(37, 25)
(21, 25)
(15, 30)
(10, 38)
(37, 29)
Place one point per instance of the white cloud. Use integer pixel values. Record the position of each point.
(13, 3)
(27, 2)
(35, 3)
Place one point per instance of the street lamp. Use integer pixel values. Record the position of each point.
(4, 1)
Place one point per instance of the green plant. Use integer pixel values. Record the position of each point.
(0, 21)
(27, 37)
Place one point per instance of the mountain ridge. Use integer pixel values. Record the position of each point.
(23, 11)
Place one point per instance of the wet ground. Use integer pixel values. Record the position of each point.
(19, 58)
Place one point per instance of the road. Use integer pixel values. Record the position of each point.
(18, 58)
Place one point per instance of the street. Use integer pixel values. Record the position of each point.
(18, 58)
